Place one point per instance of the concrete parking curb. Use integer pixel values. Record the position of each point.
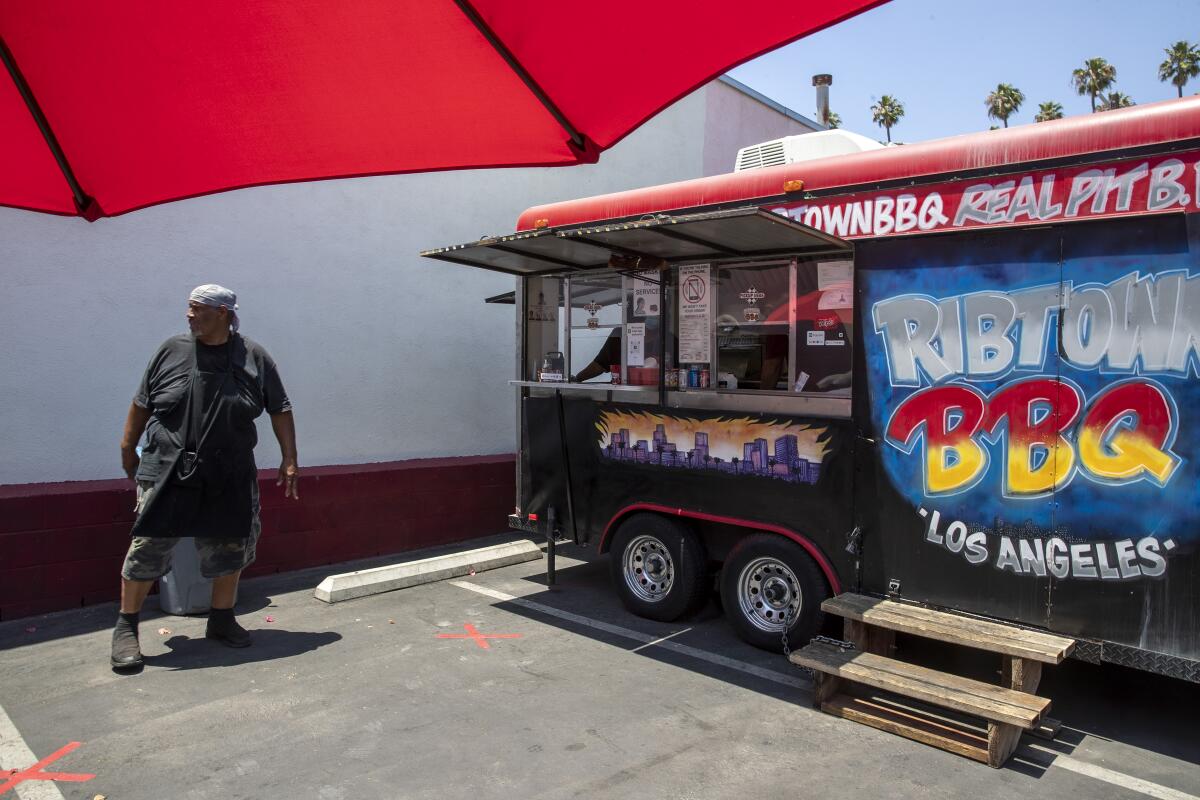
(362, 583)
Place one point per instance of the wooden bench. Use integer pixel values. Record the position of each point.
(1007, 712)
(871, 623)
(845, 678)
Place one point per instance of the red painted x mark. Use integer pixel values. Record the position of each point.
(480, 638)
(35, 773)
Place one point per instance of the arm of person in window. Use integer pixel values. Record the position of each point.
(610, 353)
(838, 380)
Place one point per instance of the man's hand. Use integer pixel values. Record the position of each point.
(289, 471)
(289, 478)
(135, 424)
(129, 461)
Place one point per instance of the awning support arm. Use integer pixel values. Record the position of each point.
(577, 140)
(84, 203)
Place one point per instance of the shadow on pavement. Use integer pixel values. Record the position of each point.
(1105, 701)
(268, 645)
(254, 594)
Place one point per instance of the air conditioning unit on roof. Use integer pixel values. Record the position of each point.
(804, 147)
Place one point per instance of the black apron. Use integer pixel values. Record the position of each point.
(213, 498)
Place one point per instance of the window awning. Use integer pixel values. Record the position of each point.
(738, 233)
(528, 253)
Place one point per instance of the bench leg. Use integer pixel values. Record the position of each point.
(825, 686)
(1022, 674)
(1002, 741)
(869, 638)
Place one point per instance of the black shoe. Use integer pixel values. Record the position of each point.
(126, 654)
(224, 628)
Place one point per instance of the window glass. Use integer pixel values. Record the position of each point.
(824, 327)
(752, 327)
(595, 327)
(643, 319)
(544, 342)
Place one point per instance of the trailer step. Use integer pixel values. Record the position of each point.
(843, 677)
(865, 685)
(994, 703)
(996, 637)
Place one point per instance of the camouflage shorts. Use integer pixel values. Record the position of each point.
(150, 558)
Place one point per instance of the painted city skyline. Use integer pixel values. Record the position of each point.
(787, 451)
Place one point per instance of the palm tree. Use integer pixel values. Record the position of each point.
(1093, 77)
(1115, 100)
(833, 120)
(1004, 102)
(1182, 64)
(886, 113)
(1048, 110)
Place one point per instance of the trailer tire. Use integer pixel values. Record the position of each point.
(764, 576)
(658, 567)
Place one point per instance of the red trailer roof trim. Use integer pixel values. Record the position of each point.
(1140, 126)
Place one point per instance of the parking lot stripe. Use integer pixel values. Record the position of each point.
(659, 640)
(1059, 760)
(16, 755)
(1116, 778)
(693, 652)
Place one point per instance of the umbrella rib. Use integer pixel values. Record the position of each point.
(577, 138)
(84, 203)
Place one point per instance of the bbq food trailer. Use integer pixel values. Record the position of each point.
(961, 373)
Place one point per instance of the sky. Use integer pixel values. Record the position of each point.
(941, 58)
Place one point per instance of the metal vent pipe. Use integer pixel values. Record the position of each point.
(822, 82)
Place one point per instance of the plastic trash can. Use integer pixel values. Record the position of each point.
(184, 590)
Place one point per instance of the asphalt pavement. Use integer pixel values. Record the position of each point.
(495, 686)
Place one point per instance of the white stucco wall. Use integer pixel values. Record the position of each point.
(734, 121)
(385, 355)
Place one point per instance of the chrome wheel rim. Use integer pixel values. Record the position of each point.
(768, 592)
(648, 569)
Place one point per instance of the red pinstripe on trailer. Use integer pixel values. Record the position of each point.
(826, 568)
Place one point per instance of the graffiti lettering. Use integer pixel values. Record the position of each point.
(1148, 321)
(1037, 412)
(1077, 193)
(1125, 435)
(948, 419)
(1125, 559)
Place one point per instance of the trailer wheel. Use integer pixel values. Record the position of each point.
(765, 578)
(658, 567)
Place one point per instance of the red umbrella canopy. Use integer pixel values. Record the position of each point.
(110, 107)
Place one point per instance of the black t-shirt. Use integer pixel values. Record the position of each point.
(238, 380)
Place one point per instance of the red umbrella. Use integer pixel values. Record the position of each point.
(110, 107)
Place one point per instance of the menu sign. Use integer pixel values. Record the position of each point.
(695, 314)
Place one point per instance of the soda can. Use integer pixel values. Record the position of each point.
(704, 378)
(694, 377)
(615, 373)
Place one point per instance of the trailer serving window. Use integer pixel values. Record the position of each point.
(782, 327)
(610, 337)
(738, 309)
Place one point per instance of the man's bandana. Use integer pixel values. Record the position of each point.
(210, 294)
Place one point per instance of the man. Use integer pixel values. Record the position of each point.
(196, 475)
